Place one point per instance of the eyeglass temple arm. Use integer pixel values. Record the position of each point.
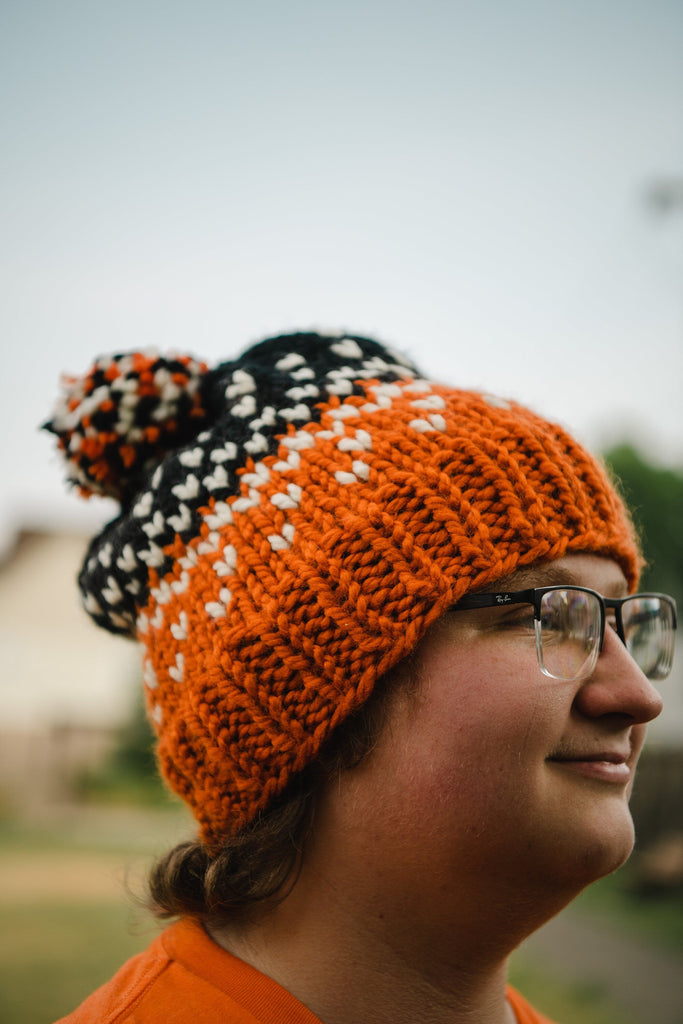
(498, 599)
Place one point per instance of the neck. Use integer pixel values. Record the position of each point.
(346, 965)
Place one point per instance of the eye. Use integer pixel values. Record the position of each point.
(521, 618)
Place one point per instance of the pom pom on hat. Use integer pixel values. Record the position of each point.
(124, 415)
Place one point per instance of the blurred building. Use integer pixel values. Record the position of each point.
(65, 686)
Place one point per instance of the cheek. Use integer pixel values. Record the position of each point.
(492, 709)
(472, 752)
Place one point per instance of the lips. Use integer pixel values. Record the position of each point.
(602, 765)
(610, 756)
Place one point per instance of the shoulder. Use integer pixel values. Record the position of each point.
(165, 982)
(184, 977)
(115, 1001)
(524, 1011)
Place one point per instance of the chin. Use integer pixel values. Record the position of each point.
(603, 858)
(605, 849)
(584, 850)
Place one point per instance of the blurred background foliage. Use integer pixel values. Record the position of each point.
(129, 774)
(655, 496)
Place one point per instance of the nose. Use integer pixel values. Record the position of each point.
(618, 686)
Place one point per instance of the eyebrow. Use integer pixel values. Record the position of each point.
(549, 575)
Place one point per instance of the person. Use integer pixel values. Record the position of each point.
(397, 664)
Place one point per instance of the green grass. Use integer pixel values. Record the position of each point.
(657, 916)
(56, 949)
(575, 1004)
(52, 956)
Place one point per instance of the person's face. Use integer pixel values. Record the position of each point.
(491, 777)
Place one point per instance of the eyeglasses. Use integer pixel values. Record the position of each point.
(569, 623)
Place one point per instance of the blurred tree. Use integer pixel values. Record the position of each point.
(130, 773)
(135, 747)
(655, 497)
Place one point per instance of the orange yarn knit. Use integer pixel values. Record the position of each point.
(329, 558)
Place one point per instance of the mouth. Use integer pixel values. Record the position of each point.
(604, 765)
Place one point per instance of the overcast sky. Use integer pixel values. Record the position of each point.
(466, 181)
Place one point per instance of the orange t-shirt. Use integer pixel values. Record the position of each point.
(184, 976)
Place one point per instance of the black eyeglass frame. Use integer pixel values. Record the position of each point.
(534, 596)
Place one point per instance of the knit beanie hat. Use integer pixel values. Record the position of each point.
(291, 523)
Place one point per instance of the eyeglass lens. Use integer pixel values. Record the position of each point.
(569, 631)
(649, 634)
